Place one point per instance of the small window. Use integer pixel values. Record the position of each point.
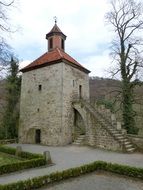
(50, 43)
(40, 87)
(73, 83)
(38, 110)
(63, 45)
(80, 91)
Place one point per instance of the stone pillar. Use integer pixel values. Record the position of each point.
(95, 105)
(124, 132)
(108, 113)
(18, 151)
(113, 119)
(119, 125)
(102, 107)
(47, 157)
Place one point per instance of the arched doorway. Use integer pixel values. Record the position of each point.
(79, 126)
(33, 136)
(37, 136)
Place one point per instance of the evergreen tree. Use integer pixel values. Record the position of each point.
(11, 117)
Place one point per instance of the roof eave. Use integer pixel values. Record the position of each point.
(26, 69)
(55, 33)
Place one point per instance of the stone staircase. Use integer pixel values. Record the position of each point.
(110, 127)
(80, 140)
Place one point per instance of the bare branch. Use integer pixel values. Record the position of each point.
(7, 5)
(126, 17)
(5, 49)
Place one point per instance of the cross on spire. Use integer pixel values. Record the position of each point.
(55, 19)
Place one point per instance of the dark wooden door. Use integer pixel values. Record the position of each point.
(38, 136)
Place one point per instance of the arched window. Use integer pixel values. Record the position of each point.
(50, 43)
(63, 45)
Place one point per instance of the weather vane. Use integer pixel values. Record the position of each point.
(55, 18)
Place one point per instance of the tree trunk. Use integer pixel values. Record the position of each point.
(128, 112)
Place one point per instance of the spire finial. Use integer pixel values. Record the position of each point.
(55, 18)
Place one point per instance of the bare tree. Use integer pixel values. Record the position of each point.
(126, 18)
(5, 50)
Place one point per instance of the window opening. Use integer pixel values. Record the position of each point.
(50, 43)
(40, 87)
(63, 45)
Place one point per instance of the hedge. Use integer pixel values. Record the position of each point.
(8, 141)
(12, 151)
(32, 161)
(38, 182)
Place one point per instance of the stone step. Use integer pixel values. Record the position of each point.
(129, 145)
(127, 142)
(114, 130)
(74, 143)
(78, 141)
(118, 134)
(119, 138)
(81, 138)
(111, 125)
(131, 149)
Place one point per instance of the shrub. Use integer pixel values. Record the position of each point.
(12, 151)
(22, 165)
(32, 161)
(38, 182)
(7, 150)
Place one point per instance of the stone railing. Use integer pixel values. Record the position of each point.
(8, 141)
(111, 117)
(104, 113)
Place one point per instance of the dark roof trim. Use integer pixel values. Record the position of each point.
(55, 33)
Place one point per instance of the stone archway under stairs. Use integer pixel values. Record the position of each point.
(100, 131)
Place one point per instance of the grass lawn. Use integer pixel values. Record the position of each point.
(7, 159)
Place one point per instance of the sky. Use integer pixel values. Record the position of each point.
(82, 21)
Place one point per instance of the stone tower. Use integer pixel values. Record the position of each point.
(49, 86)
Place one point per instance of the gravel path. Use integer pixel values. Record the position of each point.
(68, 157)
(98, 181)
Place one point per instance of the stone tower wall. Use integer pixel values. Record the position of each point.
(50, 109)
(41, 109)
(72, 78)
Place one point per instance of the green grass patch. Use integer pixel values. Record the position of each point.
(11, 163)
(8, 159)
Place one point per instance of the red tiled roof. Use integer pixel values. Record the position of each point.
(52, 57)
